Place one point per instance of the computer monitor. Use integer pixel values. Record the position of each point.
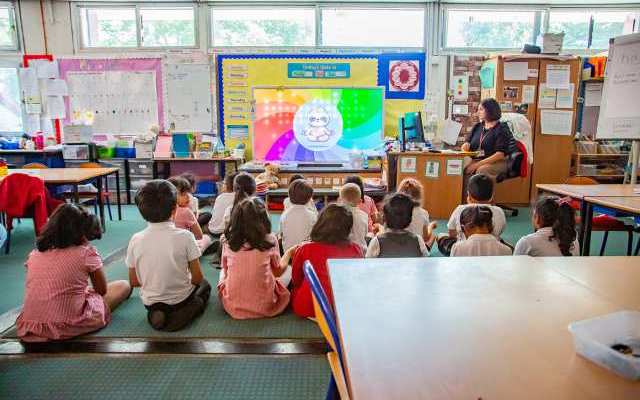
(411, 129)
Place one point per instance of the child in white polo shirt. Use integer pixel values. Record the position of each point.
(297, 220)
(164, 262)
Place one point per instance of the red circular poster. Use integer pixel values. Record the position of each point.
(404, 76)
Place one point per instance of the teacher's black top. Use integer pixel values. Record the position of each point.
(498, 138)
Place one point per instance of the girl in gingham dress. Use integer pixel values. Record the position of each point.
(59, 303)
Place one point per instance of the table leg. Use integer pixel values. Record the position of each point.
(583, 216)
(586, 249)
(154, 169)
(118, 195)
(76, 194)
(101, 203)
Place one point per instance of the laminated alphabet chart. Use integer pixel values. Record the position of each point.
(124, 95)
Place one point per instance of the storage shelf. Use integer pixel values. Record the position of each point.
(601, 154)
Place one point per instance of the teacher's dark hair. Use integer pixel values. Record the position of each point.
(492, 110)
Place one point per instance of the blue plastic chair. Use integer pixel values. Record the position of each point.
(326, 320)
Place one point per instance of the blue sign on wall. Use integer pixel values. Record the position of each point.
(319, 70)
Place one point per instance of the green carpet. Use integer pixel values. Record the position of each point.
(12, 270)
(220, 378)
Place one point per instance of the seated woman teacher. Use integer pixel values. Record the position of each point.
(492, 139)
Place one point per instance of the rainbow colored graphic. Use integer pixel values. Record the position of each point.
(316, 124)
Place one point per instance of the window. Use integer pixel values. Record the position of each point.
(354, 27)
(574, 24)
(10, 104)
(263, 26)
(137, 26)
(108, 27)
(609, 24)
(489, 29)
(8, 36)
(168, 27)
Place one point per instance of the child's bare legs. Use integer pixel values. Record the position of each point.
(117, 292)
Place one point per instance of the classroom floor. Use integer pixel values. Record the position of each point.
(215, 357)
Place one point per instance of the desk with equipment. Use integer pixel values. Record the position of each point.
(477, 327)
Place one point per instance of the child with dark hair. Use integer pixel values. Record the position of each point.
(311, 205)
(397, 241)
(480, 192)
(252, 282)
(297, 221)
(223, 201)
(244, 187)
(366, 204)
(329, 239)
(477, 224)
(193, 201)
(554, 221)
(164, 261)
(184, 217)
(59, 303)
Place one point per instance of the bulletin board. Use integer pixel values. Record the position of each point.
(188, 97)
(126, 95)
(402, 74)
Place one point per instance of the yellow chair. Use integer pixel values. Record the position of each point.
(327, 323)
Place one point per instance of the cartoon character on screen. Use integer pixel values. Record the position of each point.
(317, 130)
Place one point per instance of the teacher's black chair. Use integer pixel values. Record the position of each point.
(515, 169)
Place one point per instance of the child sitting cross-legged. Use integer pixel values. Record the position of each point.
(58, 302)
(252, 282)
(554, 221)
(329, 239)
(184, 217)
(397, 241)
(477, 224)
(297, 221)
(163, 261)
(479, 192)
(350, 197)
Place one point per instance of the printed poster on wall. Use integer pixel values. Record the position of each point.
(454, 167)
(432, 169)
(403, 75)
(408, 165)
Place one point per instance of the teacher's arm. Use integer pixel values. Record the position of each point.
(466, 146)
(495, 157)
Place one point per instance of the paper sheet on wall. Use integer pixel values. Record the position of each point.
(45, 69)
(450, 131)
(55, 107)
(189, 103)
(46, 126)
(558, 76)
(547, 97)
(33, 108)
(123, 102)
(516, 71)
(528, 94)
(29, 82)
(556, 122)
(32, 123)
(593, 94)
(564, 97)
(56, 87)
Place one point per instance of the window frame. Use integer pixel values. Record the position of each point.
(78, 33)
(592, 10)
(14, 20)
(318, 46)
(540, 13)
(15, 64)
(236, 6)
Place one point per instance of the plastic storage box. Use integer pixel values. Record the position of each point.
(593, 338)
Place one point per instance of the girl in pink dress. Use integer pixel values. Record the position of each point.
(59, 303)
(252, 282)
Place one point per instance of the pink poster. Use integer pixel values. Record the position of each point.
(122, 64)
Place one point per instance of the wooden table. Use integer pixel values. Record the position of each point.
(627, 205)
(75, 177)
(470, 328)
(222, 160)
(579, 192)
